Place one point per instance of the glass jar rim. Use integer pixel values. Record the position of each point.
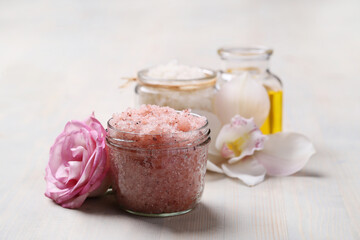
(178, 84)
(159, 134)
(245, 53)
(123, 142)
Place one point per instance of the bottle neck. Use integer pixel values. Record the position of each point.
(254, 67)
(251, 59)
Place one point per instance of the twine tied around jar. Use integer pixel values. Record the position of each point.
(173, 84)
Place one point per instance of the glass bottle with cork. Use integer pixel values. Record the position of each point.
(255, 61)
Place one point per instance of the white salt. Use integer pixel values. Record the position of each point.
(175, 71)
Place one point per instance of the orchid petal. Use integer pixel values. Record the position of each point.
(214, 125)
(214, 163)
(249, 171)
(285, 153)
(240, 138)
(244, 96)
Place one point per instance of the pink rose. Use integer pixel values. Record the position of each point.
(78, 164)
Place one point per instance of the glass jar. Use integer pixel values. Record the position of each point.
(158, 175)
(180, 94)
(255, 61)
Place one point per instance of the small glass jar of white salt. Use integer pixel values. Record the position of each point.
(177, 86)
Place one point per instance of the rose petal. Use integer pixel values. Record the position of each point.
(81, 187)
(62, 173)
(78, 164)
(248, 170)
(100, 172)
(74, 171)
(244, 96)
(102, 189)
(55, 154)
(71, 140)
(240, 138)
(285, 153)
(96, 125)
(53, 185)
(77, 151)
(86, 173)
(90, 119)
(75, 203)
(75, 125)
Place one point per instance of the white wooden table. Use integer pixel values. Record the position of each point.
(60, 60)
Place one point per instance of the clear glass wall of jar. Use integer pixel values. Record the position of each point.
(158, 175)
(255, 61)
(180, 94)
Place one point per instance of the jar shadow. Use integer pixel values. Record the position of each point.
(103, 205)
(309, 173)
(200, 220)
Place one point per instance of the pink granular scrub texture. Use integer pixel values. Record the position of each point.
(158, 159)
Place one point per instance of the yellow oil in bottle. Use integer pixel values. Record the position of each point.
(273, 123)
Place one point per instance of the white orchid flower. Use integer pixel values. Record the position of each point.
(242, 151)
(244, 96)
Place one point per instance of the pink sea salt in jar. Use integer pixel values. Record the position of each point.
(158, 159)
